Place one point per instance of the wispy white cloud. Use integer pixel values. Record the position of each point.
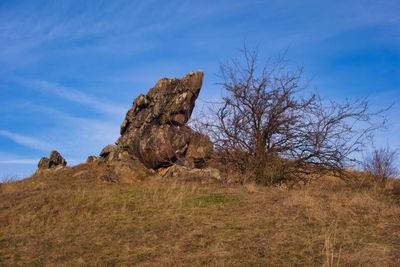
(76, 137)
(27, 141)
(19, 161)
(16, 167)
(73, 95)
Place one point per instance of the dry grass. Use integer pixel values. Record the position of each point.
(54, 219)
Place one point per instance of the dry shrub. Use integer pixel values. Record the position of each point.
(266, 115)
(380, 165)
(275, 171)
(252, 188)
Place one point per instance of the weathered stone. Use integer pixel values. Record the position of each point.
(199, 149)
(185, 173)
(154, 128)
(107, 150)
(54, 161)
(109, 176)
(44, 163)
(91, 159)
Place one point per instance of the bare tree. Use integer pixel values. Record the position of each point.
(270, 130)
(380, 165)
(332, 133)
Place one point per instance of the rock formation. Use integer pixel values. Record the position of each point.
(154, 139)
(55, 160)
(155, 131)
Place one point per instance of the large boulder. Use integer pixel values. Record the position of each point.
(55, 160)
(154, 129)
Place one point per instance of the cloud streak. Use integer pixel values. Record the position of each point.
(73, 136)
(27, 141)
(73, 95)
(19, 161)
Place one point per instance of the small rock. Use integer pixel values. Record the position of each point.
(107, 150)
(177, 171)
(109, 176)
(54, 161)
(79, 173)
(91, 159)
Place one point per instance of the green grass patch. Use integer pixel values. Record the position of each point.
(3, 209)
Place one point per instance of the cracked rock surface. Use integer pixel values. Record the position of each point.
(155, 131)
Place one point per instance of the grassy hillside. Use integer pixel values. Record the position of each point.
(55, 219)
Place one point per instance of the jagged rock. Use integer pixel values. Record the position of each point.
(154, 128)
(111, 152)
(44, 163)
(55, 160)
(107, 150)
(91, 159)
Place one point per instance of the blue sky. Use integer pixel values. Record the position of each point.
(69, 70)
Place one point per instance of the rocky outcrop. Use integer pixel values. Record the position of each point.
(55, 160)
(154, 129)
(155, 139)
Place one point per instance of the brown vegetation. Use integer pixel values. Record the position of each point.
(58, 220)
(380, 165)
(264, 119)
